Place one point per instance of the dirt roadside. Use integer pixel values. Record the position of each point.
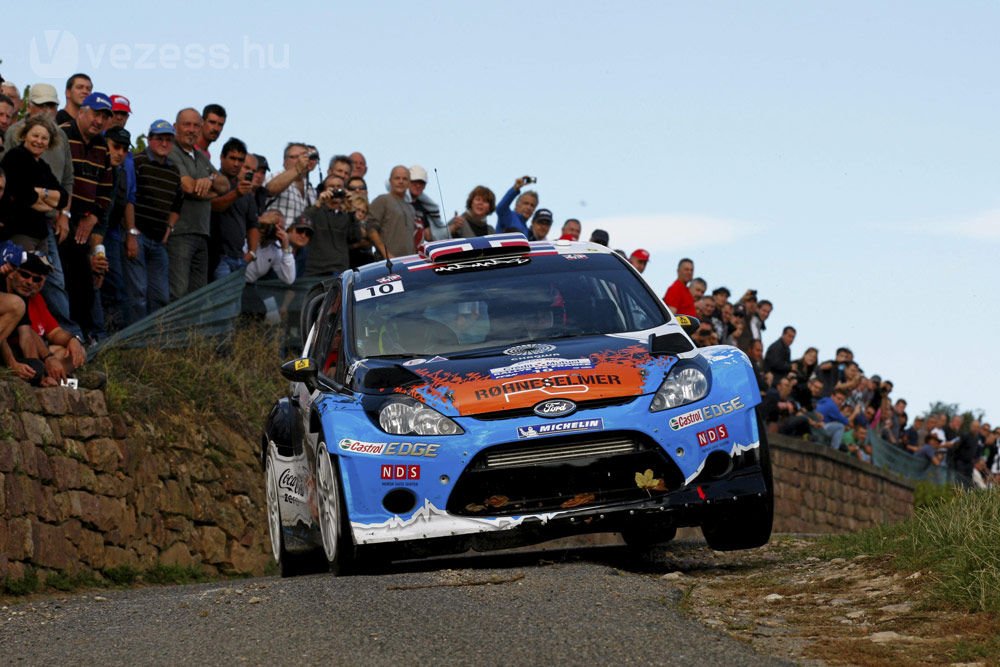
(787, 602)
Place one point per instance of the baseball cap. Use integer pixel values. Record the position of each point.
(119, 135)
(418, 173)
(97, 102)
(43, 93)
(600, 236)
(120, 103)
(544, 216)
(302, 222)
(262, 164)
(161, 127)
(37, 264)
(640, 254)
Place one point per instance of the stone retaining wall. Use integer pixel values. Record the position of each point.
(819, 490)
(82, 490)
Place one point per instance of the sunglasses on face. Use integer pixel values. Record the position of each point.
(302, 230)
(33, 277)
(357, 189)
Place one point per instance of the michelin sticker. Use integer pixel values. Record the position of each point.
(575, 426)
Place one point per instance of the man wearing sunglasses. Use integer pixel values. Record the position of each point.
(38, 350)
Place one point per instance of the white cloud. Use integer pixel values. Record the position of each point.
(669, 232)
(984, 226)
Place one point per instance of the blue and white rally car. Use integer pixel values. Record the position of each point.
(494, 392)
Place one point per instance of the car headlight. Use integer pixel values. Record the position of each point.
(680, 388)
(405, 416)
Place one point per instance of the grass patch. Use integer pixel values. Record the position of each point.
(953, 540)
(122, 575)
(26, 585)
(63, 581)
(236, 380)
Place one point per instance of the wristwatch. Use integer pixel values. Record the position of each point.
(134, 231)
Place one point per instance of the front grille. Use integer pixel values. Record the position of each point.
(552, 453)
(562, 473)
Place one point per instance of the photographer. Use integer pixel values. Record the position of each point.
(275, 251)
(335, 229)
(527, 202)
(235, 237)
(290, 190)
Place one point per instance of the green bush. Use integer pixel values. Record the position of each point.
(26, 585)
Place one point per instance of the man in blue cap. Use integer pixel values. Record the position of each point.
(158, 201)
(93, 180)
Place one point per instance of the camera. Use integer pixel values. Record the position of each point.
(338, 193)
(314, 156)
(248, 176)
(268, 231)
(529, 179)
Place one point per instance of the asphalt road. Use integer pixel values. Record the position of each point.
(570, 607)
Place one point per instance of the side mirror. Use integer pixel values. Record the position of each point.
(688, 323)
(300, 370)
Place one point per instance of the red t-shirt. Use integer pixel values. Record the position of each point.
(679, 298)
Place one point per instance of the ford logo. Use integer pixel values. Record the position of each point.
(557, 407)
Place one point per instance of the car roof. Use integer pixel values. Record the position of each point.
(476, 253)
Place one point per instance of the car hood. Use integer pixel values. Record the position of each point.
(581, 369)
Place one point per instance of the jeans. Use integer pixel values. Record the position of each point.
(227, 265)
(188, 263)
(836, 432)
(54, 290)
(146, 280)
(79, 281)
(112, 293)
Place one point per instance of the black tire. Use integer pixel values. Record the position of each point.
(289, 564)
(338, 545)
(747, 523)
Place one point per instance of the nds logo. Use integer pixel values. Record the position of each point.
(713, 435)
(707, 412)
(396, 472)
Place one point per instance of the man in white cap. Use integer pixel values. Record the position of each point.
(428, 219)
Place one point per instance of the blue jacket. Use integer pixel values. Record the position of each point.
(831, 413)
(508, 220)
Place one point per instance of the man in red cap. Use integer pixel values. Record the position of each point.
(639, 258)
(121, 109)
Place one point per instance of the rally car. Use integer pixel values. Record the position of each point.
(493, 392)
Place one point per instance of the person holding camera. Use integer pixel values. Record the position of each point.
(275, 251)
(235, 236)
(335, 229)
(527, 202)
(290, 191)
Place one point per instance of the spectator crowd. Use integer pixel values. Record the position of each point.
(96, 233)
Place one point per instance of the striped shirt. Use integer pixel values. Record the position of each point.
(157, 194)
(92, 175)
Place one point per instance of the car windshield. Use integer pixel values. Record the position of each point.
(427, 313)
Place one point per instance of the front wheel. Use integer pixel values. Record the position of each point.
(748, 524)
(337, 543)
(289, 564)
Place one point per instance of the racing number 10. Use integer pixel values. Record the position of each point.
(378, 290)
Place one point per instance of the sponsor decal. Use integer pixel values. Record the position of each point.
(557, 407)
(414, 362)
(572, 383)
(528, 350)
(486, 263)
(713, 435)
(577, 426)
(302, 363)
(707, 412)
(575, 256)
(400, 471)
(433, 360)
(389, 278)
(295, 485)
(547, 365)
(683, 320)
(423, 449)
(384, 289)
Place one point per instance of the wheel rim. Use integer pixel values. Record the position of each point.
(329, 504)
(273, 508)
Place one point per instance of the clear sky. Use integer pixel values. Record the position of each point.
(841, 158)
